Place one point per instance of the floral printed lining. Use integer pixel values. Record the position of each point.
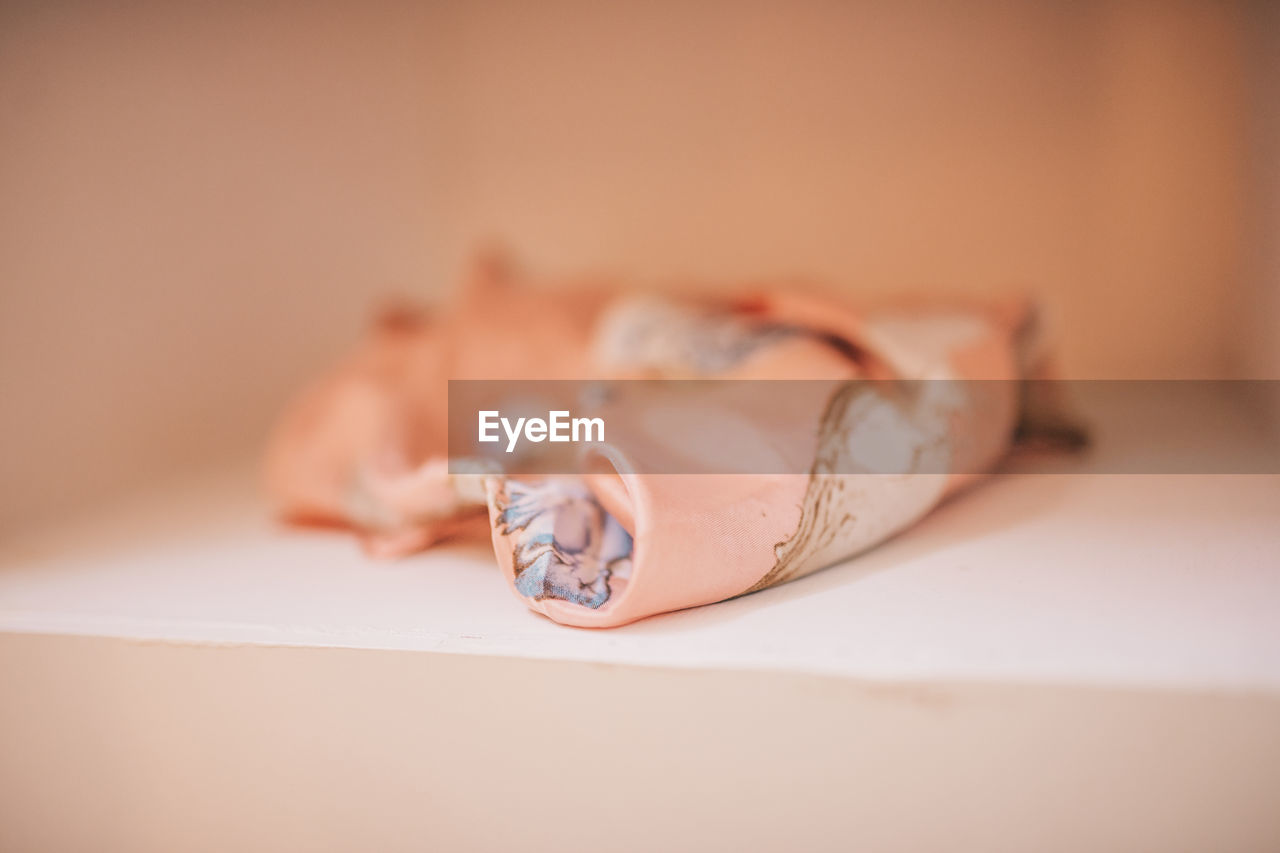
(565, 545)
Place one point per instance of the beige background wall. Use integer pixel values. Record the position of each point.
(199, 203)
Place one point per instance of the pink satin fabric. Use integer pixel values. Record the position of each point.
(365, 446)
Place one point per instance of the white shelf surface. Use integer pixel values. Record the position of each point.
(1118, 580)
